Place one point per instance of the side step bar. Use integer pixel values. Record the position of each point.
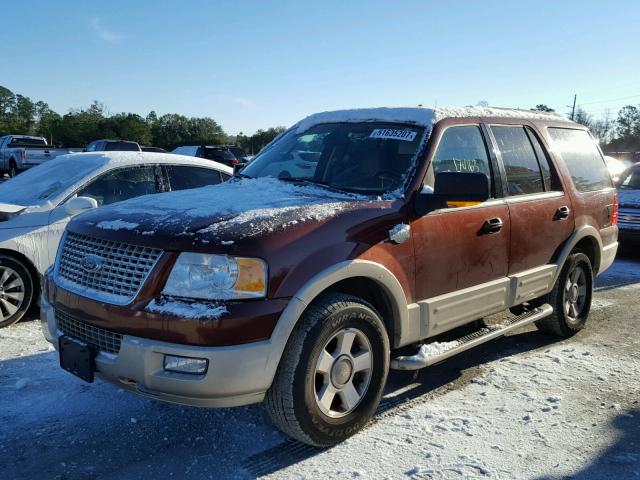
(429, 356)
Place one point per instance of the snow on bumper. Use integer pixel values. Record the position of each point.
(236, 375)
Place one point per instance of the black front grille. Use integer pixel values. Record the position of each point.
(99, 338)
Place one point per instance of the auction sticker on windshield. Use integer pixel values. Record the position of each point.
(405, 135)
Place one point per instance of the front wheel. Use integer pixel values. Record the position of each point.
(332, 373)
(570, 298)
(16, 290)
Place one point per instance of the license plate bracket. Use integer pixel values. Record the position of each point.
(77, 357)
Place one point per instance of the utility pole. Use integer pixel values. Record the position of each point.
(573, 110)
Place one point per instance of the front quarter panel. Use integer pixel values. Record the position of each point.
(31, 242)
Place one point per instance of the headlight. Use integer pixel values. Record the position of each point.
(217, 277)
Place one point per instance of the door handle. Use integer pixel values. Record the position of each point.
(562, 213)
(493, 225)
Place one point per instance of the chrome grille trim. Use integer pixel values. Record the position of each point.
(125, 268)
(629, 217)
(99, 338)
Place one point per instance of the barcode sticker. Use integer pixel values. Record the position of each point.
(405, 135)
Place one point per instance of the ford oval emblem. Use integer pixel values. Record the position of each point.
(92, 263)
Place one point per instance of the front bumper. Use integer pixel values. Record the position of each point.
(237, 375)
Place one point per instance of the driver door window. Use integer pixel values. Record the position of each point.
(461, 149)
(122, 184)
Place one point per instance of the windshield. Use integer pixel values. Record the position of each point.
(43, 183)
(631, 181)
(370, 158)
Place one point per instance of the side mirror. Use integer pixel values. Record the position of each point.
(80, 204)
(453, 188)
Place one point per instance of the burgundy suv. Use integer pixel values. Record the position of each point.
(344, 249)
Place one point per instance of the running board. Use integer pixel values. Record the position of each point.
(427, 355)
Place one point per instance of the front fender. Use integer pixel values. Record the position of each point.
(319, 283)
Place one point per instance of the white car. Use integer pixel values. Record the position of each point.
(36, 206)
(616, 167)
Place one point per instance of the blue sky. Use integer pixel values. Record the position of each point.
(255, 64)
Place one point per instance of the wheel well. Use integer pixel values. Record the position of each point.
(372, 292)
(589, 247)
(33, 271)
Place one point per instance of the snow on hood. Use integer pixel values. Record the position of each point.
(246, 207)
(424, 117)
(9, 208)
(629, 198)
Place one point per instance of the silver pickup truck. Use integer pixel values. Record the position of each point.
(20, 152)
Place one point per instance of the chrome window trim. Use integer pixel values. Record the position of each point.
(531, 197)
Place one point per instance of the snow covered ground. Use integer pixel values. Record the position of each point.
(525, 406)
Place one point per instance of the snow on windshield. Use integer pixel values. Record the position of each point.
(40, 184)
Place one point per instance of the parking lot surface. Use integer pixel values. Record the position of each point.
(524, 406)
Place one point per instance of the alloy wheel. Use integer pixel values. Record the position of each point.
(343, 372)
(575, 294)
(12, 291)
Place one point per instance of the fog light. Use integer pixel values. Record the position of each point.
(188, 365)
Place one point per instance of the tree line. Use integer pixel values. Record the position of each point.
(76, 128)
(614, 134)
(19, 115)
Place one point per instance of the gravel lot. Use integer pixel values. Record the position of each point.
(525, 406)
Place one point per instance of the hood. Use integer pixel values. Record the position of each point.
(220, 214)
(9, 208)
(628, 198)
(9, 211)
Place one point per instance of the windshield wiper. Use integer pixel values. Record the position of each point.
(241, 175)
(308, 181)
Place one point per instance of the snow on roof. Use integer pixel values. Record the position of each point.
(49, 183)
(110, 159)
(456, 112)
(420, 116)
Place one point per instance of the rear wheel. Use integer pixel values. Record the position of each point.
(16, 290)
(570, 298)
(13, 169)
(332, 373)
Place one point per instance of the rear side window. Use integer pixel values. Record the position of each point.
(462, 149)
(185, 177)
(551, 181)
(579, 152)
(520, 161)
(122, 184)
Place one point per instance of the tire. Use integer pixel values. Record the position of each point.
(13, 169)
(17, 290)
(570, 298)
(314, 369)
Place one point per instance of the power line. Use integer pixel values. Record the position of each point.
(611, 100)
